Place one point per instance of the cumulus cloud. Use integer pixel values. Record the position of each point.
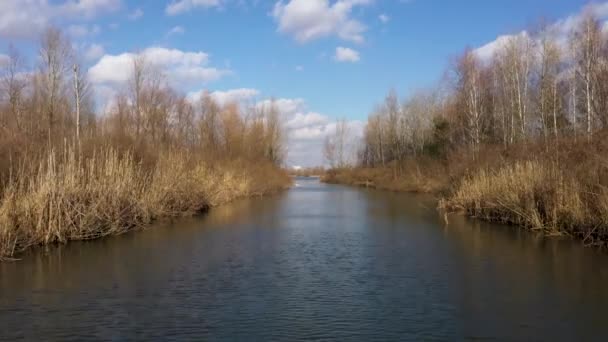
(561, 30)
(307, 131)
(301, 123)
(487, 51)
(307, 20)
(180, 6)
(600, 10)
(305, 145)
(241, 95)
(27, 18)
(384, 18)
(288, 107)
(183, 68)
(346, 55)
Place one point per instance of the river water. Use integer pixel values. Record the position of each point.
(318, 262)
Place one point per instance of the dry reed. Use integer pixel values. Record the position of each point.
(70, 198)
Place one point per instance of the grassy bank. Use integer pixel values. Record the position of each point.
(74, 168)
(69, 198)
(556, 194)
(412, 176)
(567, 195)
(517, 137)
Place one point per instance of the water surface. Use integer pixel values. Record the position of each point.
(319, 262)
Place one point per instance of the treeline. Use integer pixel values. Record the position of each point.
(541, 85)
(46, 105)
(516, 137)
(156, 152)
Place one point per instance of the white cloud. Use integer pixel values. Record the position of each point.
(600, 10)
(112, 68)
(222, 98)
(307, 130)
(384, 18)
(136, 14)
(561, 30)
(183, 68)
(487, 51)
(175, 30)
(346, 55)
(308, 20)
(94, 52)
(288, 107)
(105, 97)
(180, 6)
(27, 18)
(306, 120)
(305, 145)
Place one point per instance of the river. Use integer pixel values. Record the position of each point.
(318, 262)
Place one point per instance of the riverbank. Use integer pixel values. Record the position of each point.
(69, 198)
(556, 194)
(72, 168)
(412, 176)
(315, 252)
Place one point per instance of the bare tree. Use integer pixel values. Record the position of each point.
(329, 152)
(137, 85)
(13, 83)
(550, 61)
(469, 76)
(337, 147)
(81, 92)
(55, 56)
(588, 42)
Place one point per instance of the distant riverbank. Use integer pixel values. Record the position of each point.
(564, 196)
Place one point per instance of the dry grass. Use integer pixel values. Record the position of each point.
(538, 195)
(563, 193)
(69, 198)
(424, 176)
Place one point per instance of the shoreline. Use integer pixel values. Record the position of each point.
(494, 196)
(75, 199)
(149, 225)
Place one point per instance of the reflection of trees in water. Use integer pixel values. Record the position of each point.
(242, 211)
(525, 263)
(394, 206)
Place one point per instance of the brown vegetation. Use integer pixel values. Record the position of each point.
(70, 173)
(517, 138)
(308, 172)
(426, 176)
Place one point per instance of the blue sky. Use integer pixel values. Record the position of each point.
(284, 49)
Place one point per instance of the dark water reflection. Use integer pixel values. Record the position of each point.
(316, 263)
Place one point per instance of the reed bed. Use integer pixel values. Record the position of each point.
(538, 195)
(66, 197)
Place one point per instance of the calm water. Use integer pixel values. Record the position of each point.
(318, 262)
